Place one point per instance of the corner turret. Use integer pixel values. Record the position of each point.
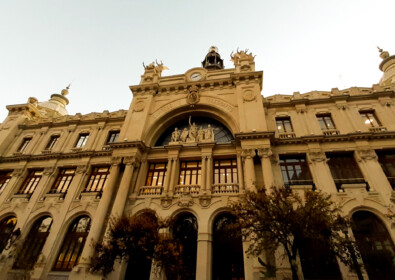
(388, 68)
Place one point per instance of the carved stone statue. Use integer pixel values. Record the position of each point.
(209, 133)
(200, 134)
(184, 135)
(175, 136)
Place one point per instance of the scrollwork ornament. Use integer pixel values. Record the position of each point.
(366, 154)
(248, 153)
(265, 152)
(316, 157)
(81, 169)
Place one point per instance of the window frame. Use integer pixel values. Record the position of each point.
(5, 177)
(160, 173)
(369, 118)
(281, 122)
(31, 182)
(194, 172)
(219, 169)
(6, 230)
(113, 136)
(286, 164)
(97, 176)
(325, 119)
(24, 144)
(82, 140)
(52, 142)
(63, 181)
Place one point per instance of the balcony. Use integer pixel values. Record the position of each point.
(225, 188)
(307, 184)
(151, 190)
(187, 189)
(330, 132)
(342, 184)
(286, 135)
(377, 129)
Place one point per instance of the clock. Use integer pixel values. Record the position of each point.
(195, 76)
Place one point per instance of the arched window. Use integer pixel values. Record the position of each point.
(185, 231)
(73, 243)
(33, 244)
(139, 265)
(227, 249)
(375, 244)
(7, 226)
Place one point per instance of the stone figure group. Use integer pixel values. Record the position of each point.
(193, 134)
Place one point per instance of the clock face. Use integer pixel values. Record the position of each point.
(195, 76)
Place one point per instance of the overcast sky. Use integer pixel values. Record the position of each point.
(100, 45)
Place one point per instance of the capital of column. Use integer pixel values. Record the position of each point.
(116, 160)
(265, 152)
(131, 160)
(81, 169)
(49, 171)
(17, 172)
(248, 153)
(365, 154)
(315, 157)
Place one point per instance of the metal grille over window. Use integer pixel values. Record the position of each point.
(33, 244)
(52, 142)
(73, 243)
(31, 182)
(112, 137)
(98, 179)
(5, 177)
(225, 176)
(295, 171)
(25, 143)
(82, 139)
(63, 181)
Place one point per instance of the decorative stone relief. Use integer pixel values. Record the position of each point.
(193, 96)
(265, 152)
(192, 135)
(205, 200)
(116, 160)
(81, 169)
(139, 106)
(166, 202)
(249, 96)
(49, 171)
(17, 172)
(185, 201)
(248, 153)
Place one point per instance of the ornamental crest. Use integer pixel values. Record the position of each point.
(193, 96)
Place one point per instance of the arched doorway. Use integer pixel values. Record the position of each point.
(185, 229)
(375, 245)
(139, 265)
(227, 249)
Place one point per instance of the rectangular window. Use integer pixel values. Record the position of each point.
(5, 177)
(295, 170)
(190, 173)
(225, 171)
(82, 138)
(31, 182)
(387, 162)
(24, 144)
(284, 125)
(369, 119)
(52, 141)
(325, 121)
(156, 174)
(112, 137)
(344, 169)
(63, 181)
(98, 179)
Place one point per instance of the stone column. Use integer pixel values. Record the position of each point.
(168, 175)
(372, 172)
(266, 165)
(209, 172)
(123, 191)
(320, 172)
(98, 220)
(240, 174)
(204, 256)
(141, 176)
(203, 184)
(173, 175)
(248, 156)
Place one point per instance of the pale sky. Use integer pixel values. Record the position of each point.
(100, 45)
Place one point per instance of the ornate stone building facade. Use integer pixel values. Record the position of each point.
(188, 145)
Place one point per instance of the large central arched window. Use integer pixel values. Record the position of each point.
(221, 133)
